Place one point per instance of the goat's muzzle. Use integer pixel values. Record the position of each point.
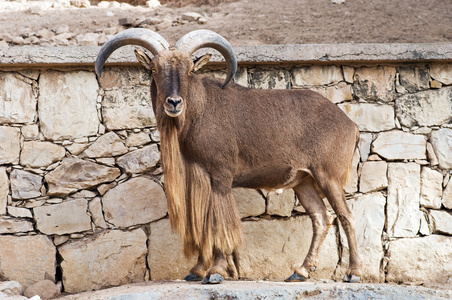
(173, 106)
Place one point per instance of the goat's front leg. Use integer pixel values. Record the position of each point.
(198, 272)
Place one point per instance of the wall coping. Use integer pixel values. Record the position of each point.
(84, 56)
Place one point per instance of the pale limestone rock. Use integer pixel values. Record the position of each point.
(108, 145)
(428, 108)
(76, 174)
(351, 186)
(25, 185)
(136, 201)
(365, 140)
(139, 161)
(67, 104)
(128, 108)
(63, 218)
(138, 139)
(400, 145)
(337, 93)
(348, 73)
(8, 225)
(166, 259)
(250, 203)
(109, 161)
(4, 190)
(442, 221)
(281, 204)
(19, 212)
(317, 75)
(60, 239)
(270, 79)
(426, 227)
(413, 78)
(241, 77)
(119, 77)
(27, 259)
(9, 145)
(370, 117)
(191, 16)
(442, 145)
(18, 101)
(95, 208)
(77, 148)
(369, 213)
(447, 196)
(431, 155)
(45, 289)
(40, 154)
(423, 260)
(271, 248)
(107, 259)
(442, 72)
(402, 210)
(30, 131)
(431, 188)
(374, 83)
(11, 288)
(373, 176)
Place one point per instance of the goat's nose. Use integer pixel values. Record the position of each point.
(174, 101)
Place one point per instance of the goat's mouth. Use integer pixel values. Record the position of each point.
(173, 112)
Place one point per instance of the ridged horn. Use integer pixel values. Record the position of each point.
(202, 38)
(146, 38)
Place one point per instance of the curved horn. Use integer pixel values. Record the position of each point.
(198, 39)
(146, 38)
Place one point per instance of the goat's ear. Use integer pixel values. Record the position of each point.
(144, 59)
(200, 62)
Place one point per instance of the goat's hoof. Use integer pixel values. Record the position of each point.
(351, 278)
(296, 278)
(213, 279)
(192, 277)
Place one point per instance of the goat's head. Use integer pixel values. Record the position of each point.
(171, 67)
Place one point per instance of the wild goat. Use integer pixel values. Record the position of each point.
(216, 136)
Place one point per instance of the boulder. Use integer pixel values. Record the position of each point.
(369, 213)
(427, 108)
(18, 100)
(370, 117)
(40, 154)
(431, 188)
(269, 79)
(27, 259)
(400, 145)
(271, 248)
(67, 104)
(136, 201)
(25, 185)
(250, 203)
(166, 257)
(9, 145)
(373, 176)
(107, 259)
(76, 174)
(442, 145)
(402, 209)
(139, 161)
(419, 261)
(45, 289)
(109, 144)
(413, 78)
(375, 83)
(63, 218)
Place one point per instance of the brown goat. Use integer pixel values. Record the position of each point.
(217, 136)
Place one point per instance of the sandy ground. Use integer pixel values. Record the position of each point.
(249, 21)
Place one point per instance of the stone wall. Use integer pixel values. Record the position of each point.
(81, 192)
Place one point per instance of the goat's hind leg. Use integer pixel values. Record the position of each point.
(321, 223)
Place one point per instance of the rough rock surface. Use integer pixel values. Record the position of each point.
(9, 145)
(40, 154)
(400, 145)
(140, 161)
(370, 117)
(250, 203)
(45, 289)
(25, 185)
(107, 259)
(442, 145)
(109, 144)
(34, 258)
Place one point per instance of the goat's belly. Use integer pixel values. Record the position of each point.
(272, 179)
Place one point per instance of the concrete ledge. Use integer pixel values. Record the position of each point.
(262, 290)
(32, 56)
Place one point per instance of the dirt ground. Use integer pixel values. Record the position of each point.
(242, 22)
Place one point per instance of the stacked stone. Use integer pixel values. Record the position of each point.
(81, 189)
